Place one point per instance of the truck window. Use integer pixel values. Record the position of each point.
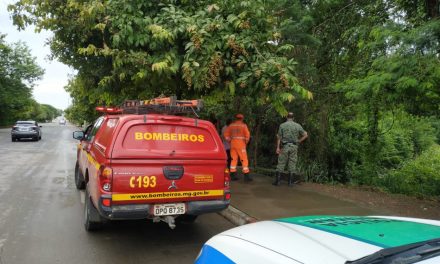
(108, 127)
(95, 128)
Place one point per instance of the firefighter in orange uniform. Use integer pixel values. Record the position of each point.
(238, 134)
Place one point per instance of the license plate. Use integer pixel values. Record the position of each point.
(169, 209)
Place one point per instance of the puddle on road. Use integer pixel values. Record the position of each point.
(264, 201)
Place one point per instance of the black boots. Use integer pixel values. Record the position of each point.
(247, 177)
(277, 179)
(233, 176)
(291, 178)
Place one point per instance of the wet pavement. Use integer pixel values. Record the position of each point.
(260, 200)
(41, 213)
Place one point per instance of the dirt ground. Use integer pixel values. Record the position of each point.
(393, 204)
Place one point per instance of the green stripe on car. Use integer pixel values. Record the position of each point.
(380, 232)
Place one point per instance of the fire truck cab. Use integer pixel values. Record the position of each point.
(150, 165)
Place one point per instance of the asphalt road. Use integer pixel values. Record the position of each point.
(41, 213)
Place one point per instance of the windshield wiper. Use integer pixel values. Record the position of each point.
(403, 254)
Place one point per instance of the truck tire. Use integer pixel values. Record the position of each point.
(79, 178)
(92, 219)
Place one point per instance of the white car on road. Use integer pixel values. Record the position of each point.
(328, 240)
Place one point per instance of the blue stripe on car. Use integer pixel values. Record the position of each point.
(212, 256)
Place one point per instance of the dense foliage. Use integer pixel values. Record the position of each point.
(45, 113)
(419, 177)
(372, 67)
(18, 72)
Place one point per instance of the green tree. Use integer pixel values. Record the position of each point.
(401, 70)
(18, 72)
(369, 61)
(140, 49)
(47, 113)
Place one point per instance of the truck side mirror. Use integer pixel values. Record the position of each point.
(78, 135)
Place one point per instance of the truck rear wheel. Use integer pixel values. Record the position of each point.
(92, 219)
(79, 178)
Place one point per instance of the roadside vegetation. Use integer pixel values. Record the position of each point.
(18, 72)
(362, 77)
(418, 177)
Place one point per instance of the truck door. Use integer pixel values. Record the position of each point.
(86, 143)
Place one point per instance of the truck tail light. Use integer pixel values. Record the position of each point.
(227, 177)
(228, 196)
(106, 202)
(105, 178)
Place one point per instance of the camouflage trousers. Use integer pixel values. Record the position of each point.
(287, 158)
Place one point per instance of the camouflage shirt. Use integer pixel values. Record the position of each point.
(290, 131)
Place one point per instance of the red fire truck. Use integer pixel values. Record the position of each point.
(144, 160)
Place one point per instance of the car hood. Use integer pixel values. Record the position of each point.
(327, 239)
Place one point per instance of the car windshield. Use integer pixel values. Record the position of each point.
(407, 254)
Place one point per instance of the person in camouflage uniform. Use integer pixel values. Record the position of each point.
(290, 135)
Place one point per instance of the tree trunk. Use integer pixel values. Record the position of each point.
(374, 125)
(432, 8)
(180, 84)
(323, 133)
(256, 140)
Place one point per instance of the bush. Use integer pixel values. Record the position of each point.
(407, 137)
(401, 138)
(419, 177)
(313, 172)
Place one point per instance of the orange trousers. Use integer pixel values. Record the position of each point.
(238, 150)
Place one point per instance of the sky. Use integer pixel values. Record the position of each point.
(50, 89)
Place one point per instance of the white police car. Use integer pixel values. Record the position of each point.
(327, 240)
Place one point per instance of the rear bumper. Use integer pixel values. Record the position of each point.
(27, 134)
(142, 211)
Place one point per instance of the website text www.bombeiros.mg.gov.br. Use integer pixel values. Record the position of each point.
(166, 195)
